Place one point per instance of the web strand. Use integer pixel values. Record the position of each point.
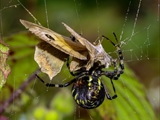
(46, 12)
(29, 12)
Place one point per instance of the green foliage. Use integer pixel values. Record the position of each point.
(58, 103)
(4, 68)
(21, 56)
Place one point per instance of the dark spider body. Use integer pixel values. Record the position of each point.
(88, 89)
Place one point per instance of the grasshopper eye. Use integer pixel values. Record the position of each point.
(50, 37)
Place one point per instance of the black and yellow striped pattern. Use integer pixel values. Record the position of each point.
(88, 92)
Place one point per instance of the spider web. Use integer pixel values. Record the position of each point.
(140, 43)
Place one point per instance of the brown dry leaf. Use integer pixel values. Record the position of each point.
(49, 59)
(62, 43)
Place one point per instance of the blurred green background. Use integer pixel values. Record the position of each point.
(92, 19)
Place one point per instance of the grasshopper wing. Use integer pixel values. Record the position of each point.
(62, 43)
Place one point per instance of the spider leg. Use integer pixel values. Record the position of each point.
(114, 65)
(77, 71)
(115, 95)
(62, 85)
(57, 85)
(116, 71)
(120, 69)
(107, 93)
(69, 67)
(121, 63)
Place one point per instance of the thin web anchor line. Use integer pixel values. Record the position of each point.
(46, 12)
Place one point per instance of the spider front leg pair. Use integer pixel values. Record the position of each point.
(60, 85)
(118, 71)
(110, 75)
(78, 74)
(114, 75)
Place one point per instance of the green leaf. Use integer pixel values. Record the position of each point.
(21, 58)
(4, 68)
(58, 103)
(39, 113)
(52, 115)
(21, 63)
